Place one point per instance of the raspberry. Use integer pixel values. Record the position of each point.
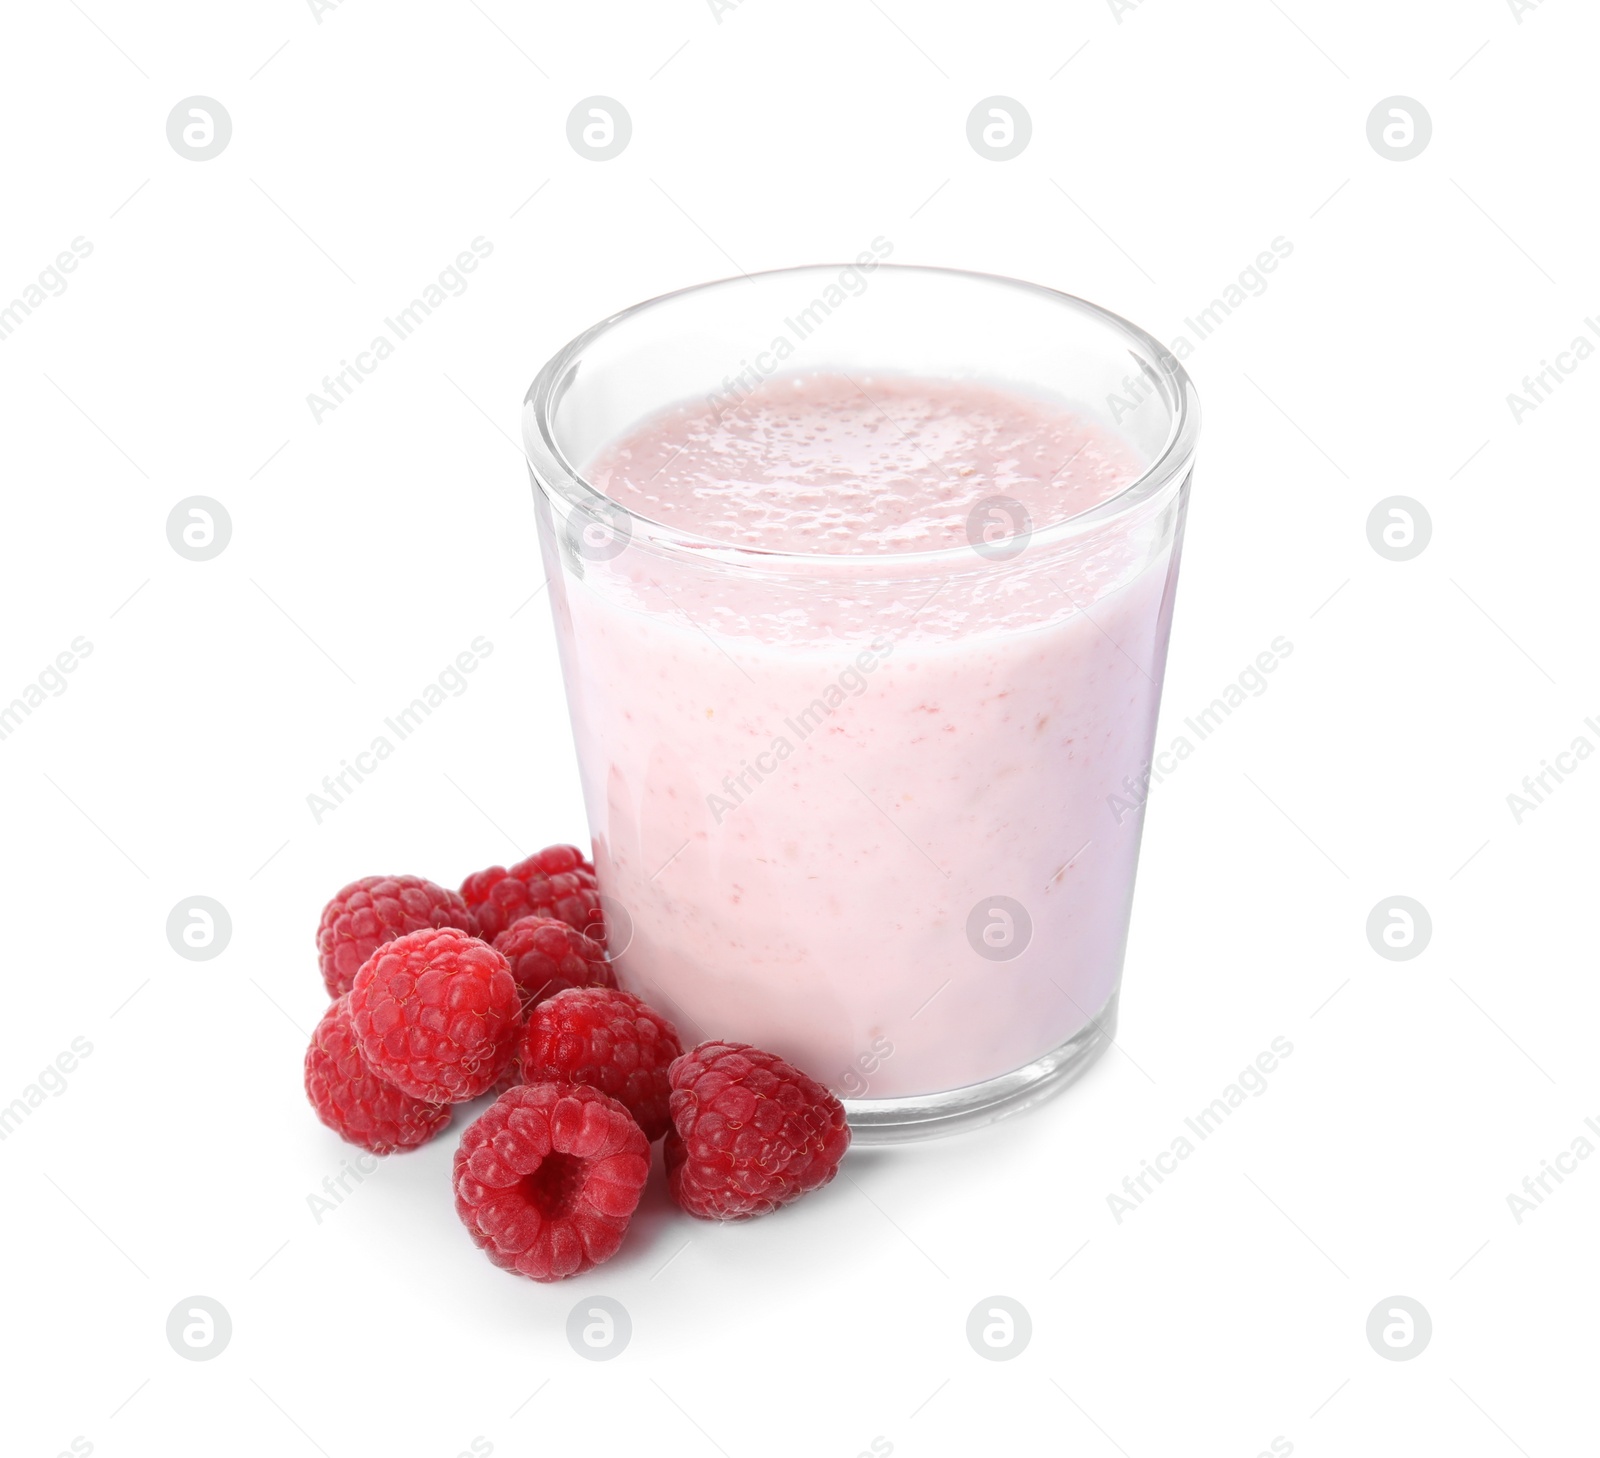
(548, 1177)
(375, 910)
(557, 882)
(548, 956)
(750, 1132)
(433, 1012)
(352, 1101)
(608, 1040)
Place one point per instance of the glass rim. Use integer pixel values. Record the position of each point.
(557, 475)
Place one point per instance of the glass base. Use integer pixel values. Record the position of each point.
(929, 1116)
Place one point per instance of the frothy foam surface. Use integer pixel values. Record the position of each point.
(873, 464)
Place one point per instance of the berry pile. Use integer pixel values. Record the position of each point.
(505, 988)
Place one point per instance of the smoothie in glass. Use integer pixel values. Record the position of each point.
(862, 655)
(801, 822)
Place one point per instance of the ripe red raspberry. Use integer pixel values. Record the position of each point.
(375, 910)
(352, 1101)
(548, 1177)
(750, 1132)
(557, 882)
(433, 1012)
(608, 1040)
(548, 956)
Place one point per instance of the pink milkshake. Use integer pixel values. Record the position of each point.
(855, 702)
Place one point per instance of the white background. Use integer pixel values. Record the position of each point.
(1170, 146)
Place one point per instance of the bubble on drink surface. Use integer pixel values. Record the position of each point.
(199, 128)
(1399, 528)
(1399, 128)
(599, 128)
(598, 531)
(999, 928)
(199, 1328)
(999, 128)
(199, 528)
(199, 928)
(1399, 928)
(999, 528)
(999, 1328)
(599, 1328)
(1399, 1328)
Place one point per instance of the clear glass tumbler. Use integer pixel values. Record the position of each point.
(877, 812)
